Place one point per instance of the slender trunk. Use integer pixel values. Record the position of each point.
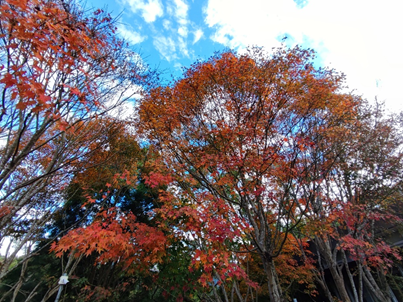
(238, 293)
(19, 283)
(320, 278)
(360, 288)
(400, 269)
(339, 282)
(325, 288)
(250, 289)
(216, 296)
(373, 286)
(324, 246)
(222, 286)
(33, 292)
(397, 288)
(350, 276)
(22, 277)
(71, 265)
(385, 286)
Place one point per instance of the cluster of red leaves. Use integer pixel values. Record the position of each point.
(115, 236)
(209, 226)
(366, 245)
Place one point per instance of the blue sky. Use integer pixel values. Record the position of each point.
(359, 38)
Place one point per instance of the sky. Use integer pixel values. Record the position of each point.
(361, 38)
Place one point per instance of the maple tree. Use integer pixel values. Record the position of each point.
(60, 69)
(101, 202)
(355, 203)
(118, 241)
(239, 134)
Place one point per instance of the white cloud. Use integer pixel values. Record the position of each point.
(150, 9)
(167, 24)
(197, 35)
(181, 11)
(170, 9)
(238, 24)
(166, 47)
(178, 66)
(181, 15)
(359, 38)
(182, 31)
(173, 43)
(183, 47)
(130, 35)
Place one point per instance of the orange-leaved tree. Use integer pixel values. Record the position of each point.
(112, 223)
(60, 68)
(238, 132)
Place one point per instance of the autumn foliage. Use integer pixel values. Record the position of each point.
(254, 176)
(55, 62)
(247, 129)
(116, 236)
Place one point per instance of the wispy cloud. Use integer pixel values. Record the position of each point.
(166, 47)
(183, 31)
(172, 41)
(130, 35)
(181, 16)
(197, 35)
(166, 24)
(181, 11)
(183, 47)
(237, 24)
(150, 10)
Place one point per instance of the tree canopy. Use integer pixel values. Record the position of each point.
(61, 71)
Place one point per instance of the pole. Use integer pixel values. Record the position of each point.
(59, 292)
(62, 281)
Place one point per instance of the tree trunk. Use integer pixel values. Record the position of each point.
(373, 286)
(339, 282)
(350, 276)
(360, 289)
(273, 285)
(324, 246)
(325, 288)
(320, 278)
